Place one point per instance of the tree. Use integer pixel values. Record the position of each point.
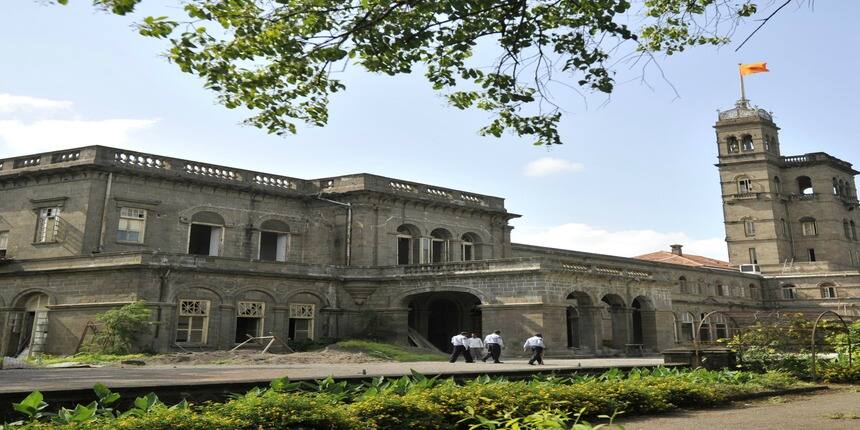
(278, 58)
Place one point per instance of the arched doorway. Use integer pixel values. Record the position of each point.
(580, 321)
(28, 326)
(615, 334)
(644, 323)
(437, 316)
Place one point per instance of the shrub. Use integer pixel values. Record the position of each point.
(120, 328)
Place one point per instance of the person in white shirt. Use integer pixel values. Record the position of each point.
(537, 346)
(494, 344)
(476, 347)
(459, 342)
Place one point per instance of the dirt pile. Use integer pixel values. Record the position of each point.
(328, 355)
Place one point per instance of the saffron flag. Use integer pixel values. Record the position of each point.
(748, 69)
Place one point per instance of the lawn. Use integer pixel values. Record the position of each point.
(389, 351)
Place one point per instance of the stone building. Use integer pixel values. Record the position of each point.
(221, 253)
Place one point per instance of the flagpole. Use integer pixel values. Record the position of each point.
(743, 92)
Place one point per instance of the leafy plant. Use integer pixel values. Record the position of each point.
(120, 328)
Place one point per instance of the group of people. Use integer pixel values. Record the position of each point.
(467, 344)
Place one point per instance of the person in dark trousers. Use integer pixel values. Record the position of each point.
(459, 342)
(537, 346)
(494, 344)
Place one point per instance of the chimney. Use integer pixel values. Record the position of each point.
(676, 249)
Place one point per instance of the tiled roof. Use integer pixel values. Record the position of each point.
(685, 260)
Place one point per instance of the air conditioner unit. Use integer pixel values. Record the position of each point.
(750, 268)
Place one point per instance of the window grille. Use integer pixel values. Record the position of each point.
(251, 309)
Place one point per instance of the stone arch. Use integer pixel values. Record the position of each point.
(438, 315)
(206, 233)
(187, 288)
(275, 225)
(618, 325)
(580, 316)
(471, 246)
(200, 328)
(804, 185)
(644, 322)
(29, 323)
(323, 300)
(207, 217)
(404, 297)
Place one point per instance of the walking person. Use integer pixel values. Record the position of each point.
(476, 346)
(537, 346)
(459, 342)
(494, 344)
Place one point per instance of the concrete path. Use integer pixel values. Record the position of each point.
(834, 409)
(46, 380)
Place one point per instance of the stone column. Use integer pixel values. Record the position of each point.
(225, 335)
(590, 328)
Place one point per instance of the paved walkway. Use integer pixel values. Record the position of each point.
(25, 380)
(834, 409)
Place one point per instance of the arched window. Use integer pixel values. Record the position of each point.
(744, 185)
(274, 240)
(206, 235)
(683, 285)
(828, 290)
(747, 143)
(767, 142)
(408, 238)
(755, 293)
(784, 227)
(687, 327)
(808, 226)
(846, 228)
(777, 185)
(470, 247)
(732, 145)
(835, 187)
(749, 227)
(705, 329)
(804, 185)
(789, 292)
(721, 326)
(853, 230)
(440, 250)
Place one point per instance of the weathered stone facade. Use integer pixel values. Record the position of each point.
(220, 253)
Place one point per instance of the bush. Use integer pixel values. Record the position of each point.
(120, 328)
(422, 403)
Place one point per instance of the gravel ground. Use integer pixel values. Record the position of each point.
(328, 355)
(834, 409)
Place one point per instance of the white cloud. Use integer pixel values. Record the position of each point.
(548, 166)
(20, 137)
(13, 103)
(625, 243)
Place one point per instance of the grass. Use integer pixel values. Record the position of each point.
(83, 358)
(389, 351)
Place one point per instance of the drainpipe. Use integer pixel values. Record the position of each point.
(104, 212)
(348, 225)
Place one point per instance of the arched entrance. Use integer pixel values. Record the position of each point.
(437, 316)
(580, 317)
(28, 326)
(615, 334)
(644, 323)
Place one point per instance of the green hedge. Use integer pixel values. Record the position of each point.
(420, 403)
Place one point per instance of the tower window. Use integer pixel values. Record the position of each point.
(853, 230)
(828, 291)
(747, 143)
(4, 239)
(847, 228)
(48, 227)
(753, 256)
(767, 142)
(804, 185)
(744, 185)
(777, 185)
(811, 253)
(732, 145)
(784, 227)
(749, 227)
(809, 227)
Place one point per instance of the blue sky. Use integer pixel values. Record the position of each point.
(635, 174)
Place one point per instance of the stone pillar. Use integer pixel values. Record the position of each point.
(622, 319)
(664, 323)
(590, 328)
(649, 330)
(225, 335)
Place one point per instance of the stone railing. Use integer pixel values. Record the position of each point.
(745, 196)
(812, 158)
(603, 270)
